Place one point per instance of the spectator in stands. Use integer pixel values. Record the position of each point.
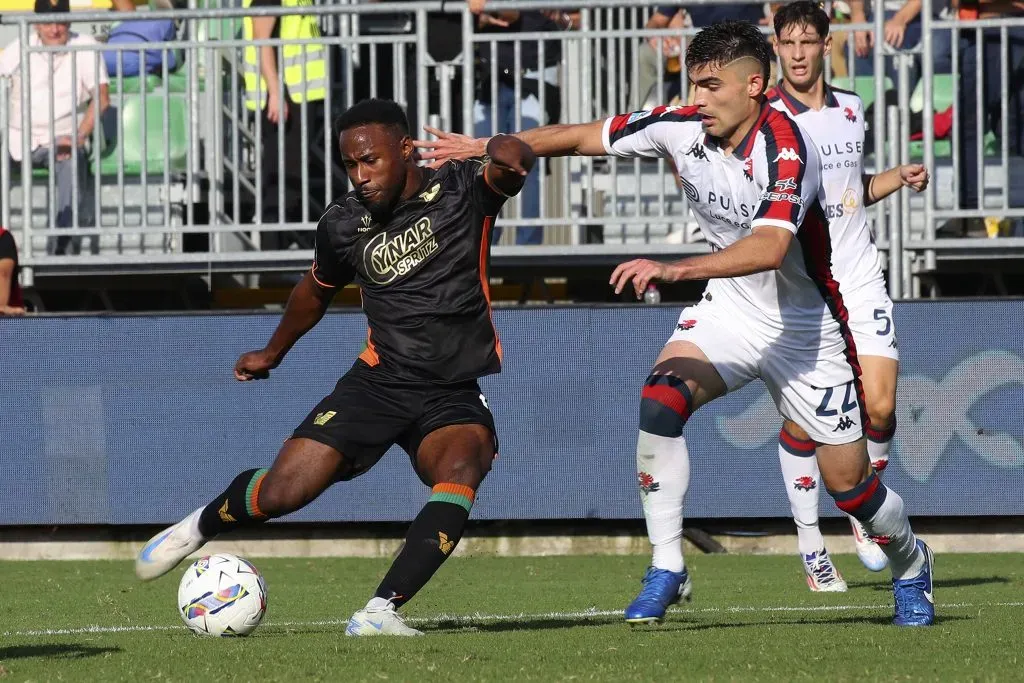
(989, 53)
(280, 92)
(902, 31)
(11, 302)
(648, 62)
(500, 117)
(677, 16)
(76, 107)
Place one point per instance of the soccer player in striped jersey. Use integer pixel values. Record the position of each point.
(834, 119)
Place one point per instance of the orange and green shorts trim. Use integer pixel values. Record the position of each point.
(457, 494)
(252, 494)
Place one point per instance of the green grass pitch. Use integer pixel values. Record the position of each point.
(537, 619)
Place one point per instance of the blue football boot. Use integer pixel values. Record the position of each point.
(661, 589)
(915, 605)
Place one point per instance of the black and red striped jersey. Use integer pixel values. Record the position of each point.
(422, 274)
(772, 178)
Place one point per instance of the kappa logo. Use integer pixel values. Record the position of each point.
(787, 154)
(785, 185)
(697, 152)
(430, 194)
(323, 418)
(845, 422)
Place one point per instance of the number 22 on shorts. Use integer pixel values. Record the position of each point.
(849, 402)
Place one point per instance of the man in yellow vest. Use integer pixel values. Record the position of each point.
(280, 81)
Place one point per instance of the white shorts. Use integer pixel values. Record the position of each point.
(871, 323)
(814, 388)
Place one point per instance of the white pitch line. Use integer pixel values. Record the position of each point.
(470, 619)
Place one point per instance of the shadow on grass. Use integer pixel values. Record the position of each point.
(672, 624)
(885, 585)
(54, 651)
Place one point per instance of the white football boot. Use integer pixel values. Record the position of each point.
(379, 618)
(169, 547)
(870, 553)
(822, 575)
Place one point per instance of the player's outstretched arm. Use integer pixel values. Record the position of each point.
(582, 139)
(511, 160)
(880, 185)
(764, 249)
(306, 306)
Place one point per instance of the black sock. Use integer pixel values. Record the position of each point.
(431, 539)
(236, 507)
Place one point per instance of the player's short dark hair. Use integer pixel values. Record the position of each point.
(720, 44)
(802, 13)
(384, 112)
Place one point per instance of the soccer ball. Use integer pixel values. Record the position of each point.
(222, 595)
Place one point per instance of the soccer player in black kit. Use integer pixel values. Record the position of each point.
(416, 241)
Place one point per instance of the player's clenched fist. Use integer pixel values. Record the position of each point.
(255, 365)
(914, 176)
(642, 272)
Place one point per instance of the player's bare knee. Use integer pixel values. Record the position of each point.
(882, 411)
(459, 454)
(279, 495)
(465, 467)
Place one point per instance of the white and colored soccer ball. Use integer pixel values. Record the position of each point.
(222, 595)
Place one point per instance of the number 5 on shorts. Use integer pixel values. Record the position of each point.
(849, 403)
(880, 314)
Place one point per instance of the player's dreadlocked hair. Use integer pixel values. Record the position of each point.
(720, 44)
(384, 112)
(800, 14)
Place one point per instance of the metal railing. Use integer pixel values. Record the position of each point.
(181, 179)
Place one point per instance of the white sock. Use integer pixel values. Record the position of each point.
(663, 473)
(802, 481)
(879, 443)
(378, 604)
(890, 528)
(878, 453)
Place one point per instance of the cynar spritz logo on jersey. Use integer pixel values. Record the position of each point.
(391, 254)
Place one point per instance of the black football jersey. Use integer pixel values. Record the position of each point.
(422, 275)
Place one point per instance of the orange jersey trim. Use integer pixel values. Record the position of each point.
(485, 245)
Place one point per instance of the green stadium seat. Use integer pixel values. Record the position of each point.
(942, 93)
(134, 85)
(133, 135)
(177, 82)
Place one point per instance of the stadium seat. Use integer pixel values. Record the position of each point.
(134, 85)
(942, 93)
(133, 134)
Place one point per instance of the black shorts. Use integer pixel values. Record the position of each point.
(370, 411)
